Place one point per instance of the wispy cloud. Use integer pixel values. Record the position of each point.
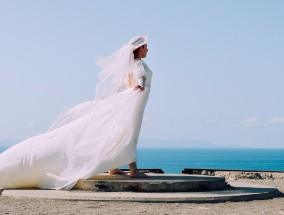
(252, 122)
(277, 121)
(249, 122)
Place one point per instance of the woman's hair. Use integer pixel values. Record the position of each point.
(136, 52)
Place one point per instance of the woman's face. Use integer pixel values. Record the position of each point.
(143, 51)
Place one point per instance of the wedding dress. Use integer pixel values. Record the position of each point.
(90, 138)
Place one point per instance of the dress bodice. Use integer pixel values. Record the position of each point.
(142, 74)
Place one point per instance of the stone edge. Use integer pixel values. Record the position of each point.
(191, 198)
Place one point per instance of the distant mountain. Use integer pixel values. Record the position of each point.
(180, 143)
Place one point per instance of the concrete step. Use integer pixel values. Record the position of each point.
(156, 183)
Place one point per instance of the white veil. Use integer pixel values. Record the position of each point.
(112, 79)
(115, 70)
(117, 67)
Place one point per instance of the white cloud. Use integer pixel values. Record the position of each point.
(253, 122)
(277, 121)
(250, 122)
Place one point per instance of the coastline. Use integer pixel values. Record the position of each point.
(240, 174)
(45, 206)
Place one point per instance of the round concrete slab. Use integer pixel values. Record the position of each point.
(237, 192)
(156, 183)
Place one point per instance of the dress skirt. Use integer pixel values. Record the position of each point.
(90, 138)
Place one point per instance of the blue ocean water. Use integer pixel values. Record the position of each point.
(175, 160)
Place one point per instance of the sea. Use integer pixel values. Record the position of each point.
(174, 160)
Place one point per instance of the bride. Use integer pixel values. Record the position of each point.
(92, 137)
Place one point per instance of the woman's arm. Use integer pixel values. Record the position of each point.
(140, 76)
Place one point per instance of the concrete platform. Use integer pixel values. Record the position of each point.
(157, 183)
(235, 192)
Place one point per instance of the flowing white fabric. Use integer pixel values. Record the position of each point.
(90, 138)
(115, 70)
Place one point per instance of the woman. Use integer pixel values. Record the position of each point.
(92, 137)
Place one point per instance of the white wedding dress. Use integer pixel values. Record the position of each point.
(90, 138)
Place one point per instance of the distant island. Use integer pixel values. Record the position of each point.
(180, 143)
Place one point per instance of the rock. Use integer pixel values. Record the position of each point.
(267, 176)
(249, 175)
(204, 172)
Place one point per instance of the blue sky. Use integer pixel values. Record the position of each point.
(218, 65)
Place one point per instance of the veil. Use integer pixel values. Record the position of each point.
(117, 68)
(114, 71)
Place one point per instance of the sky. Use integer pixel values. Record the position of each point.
(218, 66)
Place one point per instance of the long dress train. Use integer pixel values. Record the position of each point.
(90, 138)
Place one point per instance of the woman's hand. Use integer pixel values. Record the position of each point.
(138, 87)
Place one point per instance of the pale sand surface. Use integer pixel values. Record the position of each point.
(42, 206)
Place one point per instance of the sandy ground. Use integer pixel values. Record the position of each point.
(40, 206)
